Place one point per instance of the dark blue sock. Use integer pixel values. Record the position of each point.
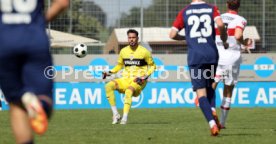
(47, 108)
(211, 95)
(205, 108)
(29, 142)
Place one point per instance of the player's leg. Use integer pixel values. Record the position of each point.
(133, 89)
(38, 98)
(218, 76)
(127, 103)
(199, 85)
(20, 124)
(207, 111)
(12, 88)
(211, 95)
(110, 87)
(212, 100)
(211, 90)
(230, 80)
(225, 104)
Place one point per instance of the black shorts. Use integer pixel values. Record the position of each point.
(202, 75)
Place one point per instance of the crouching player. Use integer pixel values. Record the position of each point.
(138, 66)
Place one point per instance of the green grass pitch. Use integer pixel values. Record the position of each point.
(152, 126)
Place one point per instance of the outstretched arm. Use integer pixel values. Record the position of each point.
(117, 68)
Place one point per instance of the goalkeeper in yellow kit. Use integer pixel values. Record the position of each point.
(138, 66)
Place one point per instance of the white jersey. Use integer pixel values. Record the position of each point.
(232, 55)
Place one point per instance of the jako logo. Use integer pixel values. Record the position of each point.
(136, 101)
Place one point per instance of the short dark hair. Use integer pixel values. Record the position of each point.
(133, 31)
(233, 4)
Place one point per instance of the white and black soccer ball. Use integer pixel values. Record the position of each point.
(80, 50)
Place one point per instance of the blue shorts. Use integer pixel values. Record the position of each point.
(23, 70)
(202, 75)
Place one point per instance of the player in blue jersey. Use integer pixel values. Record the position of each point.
(198, 19)
(23, 58)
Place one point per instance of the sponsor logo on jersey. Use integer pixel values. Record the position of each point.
(135, 62)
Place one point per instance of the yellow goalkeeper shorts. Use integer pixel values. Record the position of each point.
(123, 83)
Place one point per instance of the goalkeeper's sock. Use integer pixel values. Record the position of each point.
(114, 110)
(128, 100)
(46, 103)
(225, 107)
(48, 108)
(125, 117)
(29, 142)
(206, 109)
(213, 110)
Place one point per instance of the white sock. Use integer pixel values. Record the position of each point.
(114, 110)
(213, 109)
(212, 123)
(225, 106)
(125, 116)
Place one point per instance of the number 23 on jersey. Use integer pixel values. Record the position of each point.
(203, 33)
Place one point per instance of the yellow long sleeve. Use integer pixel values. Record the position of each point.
(151, 69)
(151, 64)
(117, 68)
(119, 65)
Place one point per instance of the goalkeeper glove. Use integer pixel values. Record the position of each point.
(105, 74)
(141, 80)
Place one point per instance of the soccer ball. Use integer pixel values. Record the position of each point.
(80, 50)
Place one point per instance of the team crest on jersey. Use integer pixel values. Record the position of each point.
(131, 57)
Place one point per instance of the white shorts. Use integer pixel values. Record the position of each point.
(228, 74)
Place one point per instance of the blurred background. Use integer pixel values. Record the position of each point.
(102, 24)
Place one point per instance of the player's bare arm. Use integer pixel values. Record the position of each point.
(239, 37)
(175, 35)
(223, 33)
(57, 7)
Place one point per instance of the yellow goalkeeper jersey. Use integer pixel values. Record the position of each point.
(136, 63)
